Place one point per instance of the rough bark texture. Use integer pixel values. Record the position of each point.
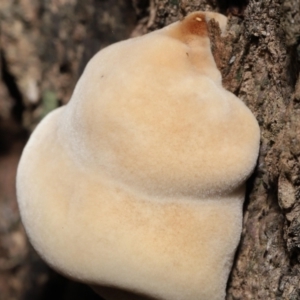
(44, 47)
(259, 60)
(260, 63)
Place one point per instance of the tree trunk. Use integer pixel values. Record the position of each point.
(44, 47)
(259, 60)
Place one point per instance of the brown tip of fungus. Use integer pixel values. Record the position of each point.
(194, 27)
(194, 24)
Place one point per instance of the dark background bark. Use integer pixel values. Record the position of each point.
(44, 47)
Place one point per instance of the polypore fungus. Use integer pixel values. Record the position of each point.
(137, 185)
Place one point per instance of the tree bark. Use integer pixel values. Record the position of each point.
(259, 60)
(44, 48)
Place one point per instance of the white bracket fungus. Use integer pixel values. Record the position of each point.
(137, 185)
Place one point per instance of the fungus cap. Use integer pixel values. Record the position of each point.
(136, 186)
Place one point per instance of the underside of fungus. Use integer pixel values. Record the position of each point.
(136, 186)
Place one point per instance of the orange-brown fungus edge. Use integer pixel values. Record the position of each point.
(194, 24)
